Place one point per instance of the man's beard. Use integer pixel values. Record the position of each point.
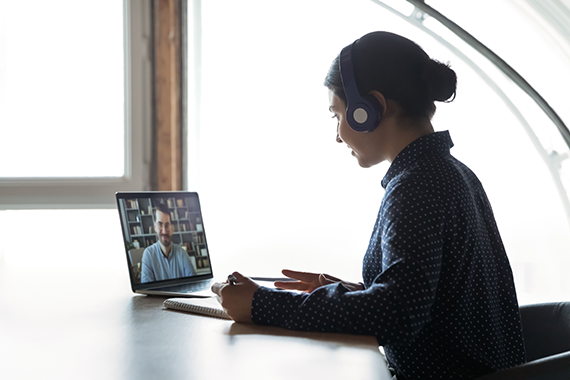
(165, 242)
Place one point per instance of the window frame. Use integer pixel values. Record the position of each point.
(98, 192)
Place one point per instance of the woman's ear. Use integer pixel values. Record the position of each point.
(381, 99)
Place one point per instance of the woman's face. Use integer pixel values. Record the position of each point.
(362, 145)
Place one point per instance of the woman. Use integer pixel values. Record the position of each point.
(437, 288)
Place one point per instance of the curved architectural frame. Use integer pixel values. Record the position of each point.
(553, 159)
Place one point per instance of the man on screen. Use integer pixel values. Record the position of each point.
(165, 260)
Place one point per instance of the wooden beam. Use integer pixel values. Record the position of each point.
(167, 69)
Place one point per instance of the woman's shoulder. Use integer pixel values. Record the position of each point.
(433, 176)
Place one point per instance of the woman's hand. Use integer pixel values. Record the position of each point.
(236, 299)
(307, 282)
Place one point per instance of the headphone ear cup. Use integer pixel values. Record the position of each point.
(363, 113)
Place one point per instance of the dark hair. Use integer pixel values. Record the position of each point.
(162, 208)
(400, 70)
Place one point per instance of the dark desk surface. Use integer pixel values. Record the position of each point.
(86, 324)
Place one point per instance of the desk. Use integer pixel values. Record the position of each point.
(58, 323)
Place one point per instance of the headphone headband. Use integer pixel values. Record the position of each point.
(362, 112)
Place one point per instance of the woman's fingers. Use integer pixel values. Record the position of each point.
(217, 288)
(301, 276)
(325, 279)
(293, 285)
(236, 298)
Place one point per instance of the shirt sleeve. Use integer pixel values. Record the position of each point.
(396, 305)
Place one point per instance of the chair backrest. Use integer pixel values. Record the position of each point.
(546, 329)
(136, 256)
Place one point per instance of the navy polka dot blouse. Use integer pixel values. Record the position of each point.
(439, 293)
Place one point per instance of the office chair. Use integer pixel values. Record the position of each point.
(546, 331)
(135, 255)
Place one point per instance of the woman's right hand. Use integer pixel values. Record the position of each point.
(307, 282)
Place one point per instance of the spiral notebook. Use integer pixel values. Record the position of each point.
(205, 306)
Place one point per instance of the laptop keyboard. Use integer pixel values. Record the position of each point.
(188, 288)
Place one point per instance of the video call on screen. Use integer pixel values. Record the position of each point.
(139, 221)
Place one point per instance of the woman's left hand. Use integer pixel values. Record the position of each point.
(236, 299)
(307, 282)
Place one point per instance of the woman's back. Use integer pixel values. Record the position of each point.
(440, 249)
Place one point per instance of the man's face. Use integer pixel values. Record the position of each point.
(163, 228)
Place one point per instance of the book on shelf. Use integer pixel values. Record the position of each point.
(180, 202)
(132, 203)
(202, 263)
(169, 203)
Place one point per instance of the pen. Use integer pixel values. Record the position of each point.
(272, 279)
(232, 279)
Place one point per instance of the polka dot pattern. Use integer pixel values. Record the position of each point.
(439, 292)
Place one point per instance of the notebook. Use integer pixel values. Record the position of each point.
(206, 306)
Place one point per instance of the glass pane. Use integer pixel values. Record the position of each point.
(61, 89)
(279, 192)
(524, 156)
(512, 164)
(521, 35)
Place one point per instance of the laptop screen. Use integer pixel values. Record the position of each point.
(164, 237)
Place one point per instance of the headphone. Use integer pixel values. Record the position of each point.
(363, 112)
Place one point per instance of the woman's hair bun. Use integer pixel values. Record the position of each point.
(440, 79)
(400, 70)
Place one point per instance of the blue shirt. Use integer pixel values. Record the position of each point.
(439, 292)
(156, 267)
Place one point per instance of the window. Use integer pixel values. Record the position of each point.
(278, 191)
(72, 122)
(75, 115)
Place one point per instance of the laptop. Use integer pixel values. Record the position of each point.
(155, 221)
